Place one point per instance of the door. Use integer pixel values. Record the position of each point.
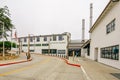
(96, 54)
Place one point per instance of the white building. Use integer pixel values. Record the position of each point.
(105, 36)
(55, 43)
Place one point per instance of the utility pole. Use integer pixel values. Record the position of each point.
(28, 54)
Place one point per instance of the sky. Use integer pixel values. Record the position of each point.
(43, 17)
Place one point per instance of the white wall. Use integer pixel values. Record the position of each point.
(100, 39)
(59, 45)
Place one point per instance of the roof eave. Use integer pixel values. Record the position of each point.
(101, 16)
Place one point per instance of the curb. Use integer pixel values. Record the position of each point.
(5, 64)
(66, 61)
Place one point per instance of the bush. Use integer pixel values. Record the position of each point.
(7, 45)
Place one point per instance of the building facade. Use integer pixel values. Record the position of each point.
(105, 33)
(46, 44)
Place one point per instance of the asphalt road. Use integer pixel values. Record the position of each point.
(41, 68)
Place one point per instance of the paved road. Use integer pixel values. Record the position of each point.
(41, 68)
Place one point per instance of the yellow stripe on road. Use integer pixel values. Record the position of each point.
(24, 68)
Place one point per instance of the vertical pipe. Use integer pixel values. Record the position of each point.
(83, 30)
(91, 16)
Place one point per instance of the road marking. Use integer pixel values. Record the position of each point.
(83, 70)
(24, 68)
(88, 78)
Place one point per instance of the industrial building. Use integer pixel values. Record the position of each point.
(45, 44)
(104, 36)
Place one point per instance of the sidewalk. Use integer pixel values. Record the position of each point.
(95, 70)
(22, 58)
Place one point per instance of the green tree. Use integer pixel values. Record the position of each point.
(7, 45)
(5, 18)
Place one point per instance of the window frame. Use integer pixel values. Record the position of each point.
(111, 52)
(110, 27)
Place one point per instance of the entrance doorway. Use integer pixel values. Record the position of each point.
(70, 52)
(96, 54)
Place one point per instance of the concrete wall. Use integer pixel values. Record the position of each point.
(100, 39)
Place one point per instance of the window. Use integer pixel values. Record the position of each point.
(53, 51)
(54, 38)
(44, 51)
(32, 50)
(25, 45)
(38, 39)
(61, 51)
(111, 52)
(45, 44)
(32, 44)
(25, 39)
(31, 39)
(60, 38)
(38, 44)
(45, 38)
(110, 27)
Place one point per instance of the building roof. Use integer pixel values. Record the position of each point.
(86, 43)
(74, 44)
(65, 33)
(75, 41)
(104, 12)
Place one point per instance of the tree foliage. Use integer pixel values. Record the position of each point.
(5, 21)
(7, 45)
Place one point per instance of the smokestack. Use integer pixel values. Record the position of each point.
(83, 30)
(91, 16)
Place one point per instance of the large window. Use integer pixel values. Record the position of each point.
(61, 51)
(111, 52)
(53, 51)
(110, 27)
(44, 51)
